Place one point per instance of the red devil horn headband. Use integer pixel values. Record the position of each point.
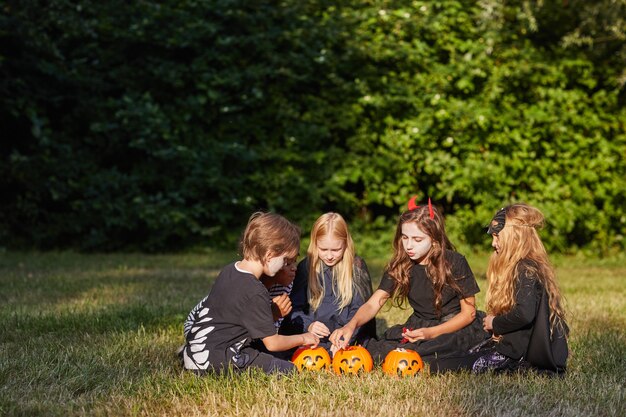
(412, 205)
(431, 213)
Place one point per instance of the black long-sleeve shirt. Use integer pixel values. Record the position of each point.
(516, 326)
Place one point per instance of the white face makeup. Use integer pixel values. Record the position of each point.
(330, 250)
(416, 243)
(286, 274)
(274, 265)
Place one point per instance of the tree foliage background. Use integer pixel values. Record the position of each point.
(157, 125)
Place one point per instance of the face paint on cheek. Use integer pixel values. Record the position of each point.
(275, 264)
(415, 242)
(420, 249)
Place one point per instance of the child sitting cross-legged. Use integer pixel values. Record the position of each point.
(219, 331)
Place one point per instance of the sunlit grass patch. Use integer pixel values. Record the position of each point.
(97, 335)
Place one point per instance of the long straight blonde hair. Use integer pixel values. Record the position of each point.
(519, 241)
(331, 224)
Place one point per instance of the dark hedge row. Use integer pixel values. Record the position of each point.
(157, 125)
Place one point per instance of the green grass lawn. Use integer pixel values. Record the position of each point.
(96, 335)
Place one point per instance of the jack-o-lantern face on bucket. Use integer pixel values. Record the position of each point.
(353, 360)
(403, 362)
(307, 359)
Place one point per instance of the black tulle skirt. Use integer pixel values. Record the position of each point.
(446, 345)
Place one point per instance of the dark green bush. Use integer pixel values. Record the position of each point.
(159, 125)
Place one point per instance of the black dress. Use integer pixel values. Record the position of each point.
(421, 298)
(527, 341)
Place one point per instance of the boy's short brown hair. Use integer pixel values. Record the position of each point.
(269, 232)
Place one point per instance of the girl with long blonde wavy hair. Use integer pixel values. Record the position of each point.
(330, 284)
(519, 241)
(524, 305)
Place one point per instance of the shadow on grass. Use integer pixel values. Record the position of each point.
(18, 327)
(53, 282)
(81, 369)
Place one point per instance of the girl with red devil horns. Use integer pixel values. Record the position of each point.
(438, 284)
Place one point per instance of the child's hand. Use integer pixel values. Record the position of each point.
(319, 329)
(310, 339)
(413, 336)
(341, 337)
(281, 306)
(488, 323)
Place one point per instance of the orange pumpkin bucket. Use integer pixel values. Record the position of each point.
(311, 359)
(403, 362)
(353, 360)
